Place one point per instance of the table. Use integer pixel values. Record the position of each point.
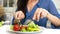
(4, 28)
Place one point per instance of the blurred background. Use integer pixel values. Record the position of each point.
(8, 7)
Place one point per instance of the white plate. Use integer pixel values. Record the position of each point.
(41, 29)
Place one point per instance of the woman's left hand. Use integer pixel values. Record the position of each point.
(40, 13)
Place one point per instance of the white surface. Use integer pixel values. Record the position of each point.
(3, 30)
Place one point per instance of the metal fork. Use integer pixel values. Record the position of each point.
(19, 21)
(28, 21)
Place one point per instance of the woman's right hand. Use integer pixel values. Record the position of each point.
(19, 15)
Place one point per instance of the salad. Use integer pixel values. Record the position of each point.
(1, 23)
(31, 27)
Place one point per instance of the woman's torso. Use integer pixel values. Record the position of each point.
(29, 15)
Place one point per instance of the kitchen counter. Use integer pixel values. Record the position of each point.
(4, 30)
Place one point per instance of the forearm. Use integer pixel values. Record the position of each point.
(54, 20)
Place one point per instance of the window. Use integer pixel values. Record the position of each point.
(8, 3)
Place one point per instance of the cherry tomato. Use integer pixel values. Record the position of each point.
(16, 27)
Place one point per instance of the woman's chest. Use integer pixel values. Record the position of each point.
(31, 5)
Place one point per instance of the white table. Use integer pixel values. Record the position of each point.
(3, 30)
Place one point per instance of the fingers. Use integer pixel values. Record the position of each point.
(37, 14)
(40, 13)
(22, 15)
(44, 13)
(19, 15)
(16, 17)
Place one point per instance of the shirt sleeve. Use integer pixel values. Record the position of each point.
(53, 10)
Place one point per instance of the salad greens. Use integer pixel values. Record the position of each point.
(1, 23)
(31, 27)
(24, 30)
(11, 27)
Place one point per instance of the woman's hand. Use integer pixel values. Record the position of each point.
(19, 15)
(40, 13)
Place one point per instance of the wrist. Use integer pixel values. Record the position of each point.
(48, 15)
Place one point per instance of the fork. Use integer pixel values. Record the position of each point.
(19, 22)
(28, 21)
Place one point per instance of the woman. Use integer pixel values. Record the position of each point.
(38, 10)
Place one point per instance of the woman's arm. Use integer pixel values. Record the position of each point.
(53, 16)
(54, 20)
